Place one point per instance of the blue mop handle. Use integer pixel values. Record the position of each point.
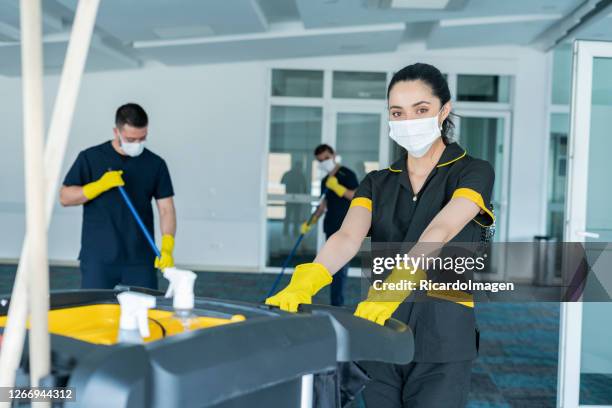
(285, 264)
(139, 220)
(295, 247)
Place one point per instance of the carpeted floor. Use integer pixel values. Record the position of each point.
(517, 366)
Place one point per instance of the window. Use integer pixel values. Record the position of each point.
(294, 132)
(483, 88)
(357, 139)
(558, 145)
(359, 85)
(297, 83)
(557, 173)
(562, 75)
(344, 109)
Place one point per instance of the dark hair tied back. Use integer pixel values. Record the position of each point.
(439, 87)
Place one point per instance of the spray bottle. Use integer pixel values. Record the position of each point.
(134, 322)
(181, 289)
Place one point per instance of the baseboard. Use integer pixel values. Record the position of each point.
(52, 262)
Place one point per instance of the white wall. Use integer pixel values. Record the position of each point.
(209, 123)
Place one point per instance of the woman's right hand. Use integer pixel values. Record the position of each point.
(306, 281)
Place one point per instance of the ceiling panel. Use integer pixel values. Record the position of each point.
(520, 33)
(99, 59)
(600, 30)
(328, 13)
(278, 11)
(9, 20)
(298, 45)
(142, 20)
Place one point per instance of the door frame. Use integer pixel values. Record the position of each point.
(265, 196)
(370, 107)
(505, 179)
(330, 136)
(502, 213)
(568, 384)
(330, 108)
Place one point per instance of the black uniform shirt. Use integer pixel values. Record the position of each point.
(110, 235)
(444, 331)
(337, 207)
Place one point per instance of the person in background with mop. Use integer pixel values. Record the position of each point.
(339, 187)
(113, 248)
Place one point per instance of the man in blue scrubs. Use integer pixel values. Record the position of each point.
(113, 248)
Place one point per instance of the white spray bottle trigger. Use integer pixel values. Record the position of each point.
(180, 287)
(143, 323)
(134, 311)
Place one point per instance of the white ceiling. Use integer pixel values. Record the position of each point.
(129, 33)
(325, 13)
(99, 59)
(9, 21)
(301, 43)
(498, 33)
(600, 30)
(139, 20)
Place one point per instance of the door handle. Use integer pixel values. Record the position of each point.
(587, 234)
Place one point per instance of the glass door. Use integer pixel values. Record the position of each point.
(486, 135)
(292, 181)
(585, 341)
(357, 135)
(308, 107)
(358, 140)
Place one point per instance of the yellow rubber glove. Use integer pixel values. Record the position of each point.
(110, 179)
(167, 247)
(381, 304)
(306, 281)
(306, 226)
(334, 185)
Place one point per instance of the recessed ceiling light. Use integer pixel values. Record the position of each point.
(448, 5)
(420, 4)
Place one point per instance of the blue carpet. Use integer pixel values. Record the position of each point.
(517, 365)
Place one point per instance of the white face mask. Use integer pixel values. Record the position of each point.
(327, 166)
(131, 149)
(415, 135)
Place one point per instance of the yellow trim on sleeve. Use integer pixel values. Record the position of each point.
(454, 160)
(394, 170)
(362, 202)
(476, 198)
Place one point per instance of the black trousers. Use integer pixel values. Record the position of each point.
(337, 286)
(101, 276)
(338, 283)
(417, 385)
